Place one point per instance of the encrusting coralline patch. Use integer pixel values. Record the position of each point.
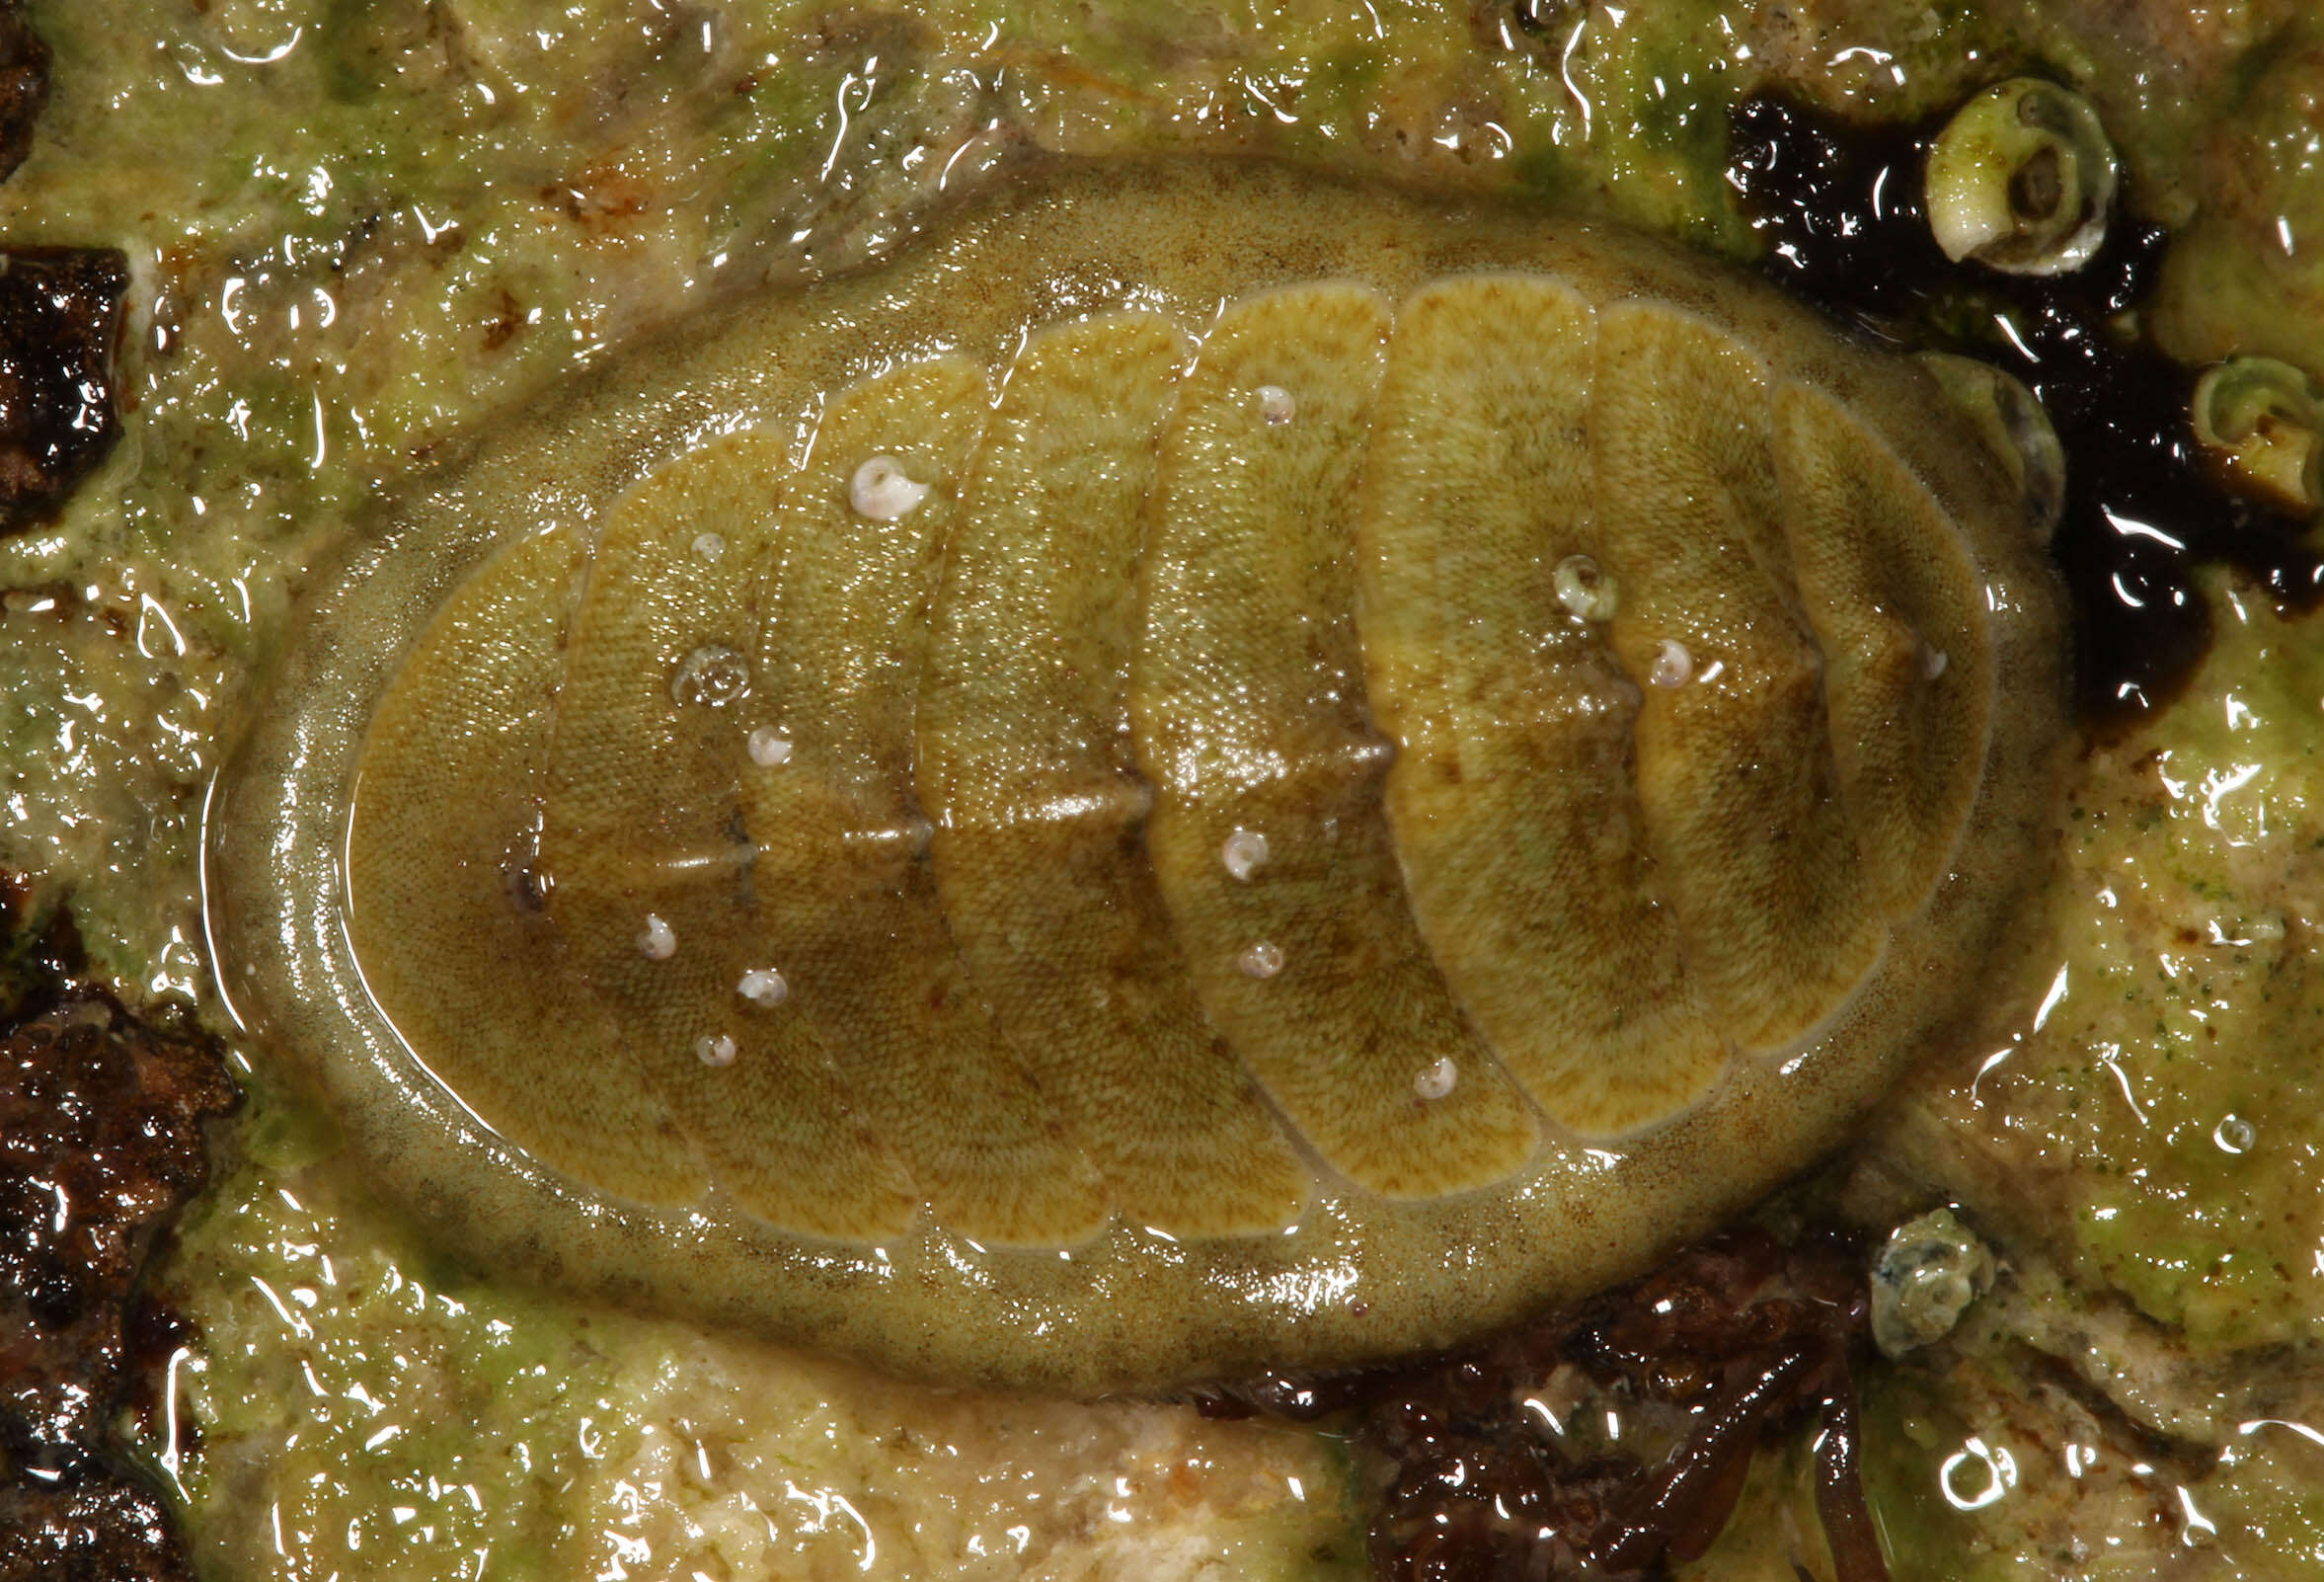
(101, 1144)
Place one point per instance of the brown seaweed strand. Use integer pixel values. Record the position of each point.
(1686, 1506)
(1848, 1526)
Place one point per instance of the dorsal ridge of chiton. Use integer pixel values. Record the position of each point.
(1758, 862)
(1171, 839)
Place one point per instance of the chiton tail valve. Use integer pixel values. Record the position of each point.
(1208, 770)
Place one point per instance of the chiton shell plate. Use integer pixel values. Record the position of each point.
(1208, 770)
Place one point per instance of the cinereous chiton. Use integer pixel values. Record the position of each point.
(1206, 770)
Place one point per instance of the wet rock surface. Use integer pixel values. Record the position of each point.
(101, 1144)
(61, 321)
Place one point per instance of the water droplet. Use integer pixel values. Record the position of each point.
(763, 987)
(882, 491)
(709, 545)
(1674, 666)
(1244, 853)
(769, 747)
(714, 1049)
(711, 674)
(1584, 588)
(1976, 1475)
(1263, 960)
(528, 886)
(1436, 1080)
(658, 940)
(2234, 1135)
(1277, 406)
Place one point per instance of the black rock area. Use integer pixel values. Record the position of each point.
(60, 325)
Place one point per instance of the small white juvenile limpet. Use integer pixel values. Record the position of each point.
(713, 676)
(714, 1049)
(1263, 960)
(1244, 853)
(883, 490)
(1277, 406)
(1437, 1081)
(658, 940)
(763, 987)
(769, 747)
(1674, 666)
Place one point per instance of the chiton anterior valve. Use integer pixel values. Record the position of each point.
(1208, 770)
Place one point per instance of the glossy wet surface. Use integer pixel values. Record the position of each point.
(312, 220)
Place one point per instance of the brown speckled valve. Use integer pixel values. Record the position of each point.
(1210, 769)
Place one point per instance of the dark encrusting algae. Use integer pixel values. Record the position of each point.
(1730, 1345)
(60, 327)
(100, 1145)
(24, 85)
(1840, 209)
